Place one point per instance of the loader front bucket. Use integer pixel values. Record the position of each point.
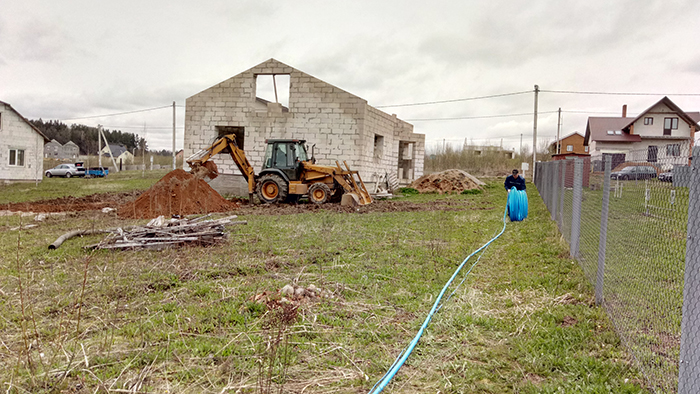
(355, 188)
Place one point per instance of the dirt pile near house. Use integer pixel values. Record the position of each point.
(177, 193)
(448, 181)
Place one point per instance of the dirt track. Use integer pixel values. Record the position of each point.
(113, 200)
(70, 204)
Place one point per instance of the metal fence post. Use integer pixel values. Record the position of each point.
(562, 192)
(689, 369)
(576, 207)
(553, 175)
(603, 232)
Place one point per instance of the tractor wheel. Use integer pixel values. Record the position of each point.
(272, 189)
(319, 193)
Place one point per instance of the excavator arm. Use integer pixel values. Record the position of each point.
(202, 167)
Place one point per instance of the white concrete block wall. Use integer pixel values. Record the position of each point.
(15, 133)
(341, 124)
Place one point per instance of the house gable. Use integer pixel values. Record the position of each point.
(652, 122)
(341, 125)
(21, 147)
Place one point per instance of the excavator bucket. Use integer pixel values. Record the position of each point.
(206, 170)
(356, 192)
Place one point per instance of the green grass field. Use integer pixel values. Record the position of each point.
(50, 188)
(185, 321)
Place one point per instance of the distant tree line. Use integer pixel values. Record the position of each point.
(86, 137)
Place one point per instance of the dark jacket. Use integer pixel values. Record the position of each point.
(518, 182)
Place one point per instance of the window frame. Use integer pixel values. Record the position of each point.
(569, 148)
(673, 150)
(16, 157)
(672, 126)
(648, 121)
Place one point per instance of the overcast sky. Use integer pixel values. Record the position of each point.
(70, 59)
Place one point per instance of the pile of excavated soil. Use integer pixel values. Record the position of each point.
(449, 181)
(177, 193)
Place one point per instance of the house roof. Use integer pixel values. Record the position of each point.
(117, 150)
(567, 136)
(70, 143)
(687, 117)
(598, 127)
(46, 139)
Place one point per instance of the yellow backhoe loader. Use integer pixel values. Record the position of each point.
(287, 173)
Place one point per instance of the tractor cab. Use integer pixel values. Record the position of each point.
(285, 155)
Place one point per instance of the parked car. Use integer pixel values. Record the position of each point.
(634, 172)
(666, 176)
(66, 170)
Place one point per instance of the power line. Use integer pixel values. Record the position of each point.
(119, 113)
(454, 100)
(480, 117)
(619, 93)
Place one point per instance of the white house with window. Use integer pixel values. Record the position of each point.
(21, 147)
(662, 134)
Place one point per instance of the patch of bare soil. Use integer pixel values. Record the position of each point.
(177, 193)
(70, 204)
(375, 207)
(449, 181)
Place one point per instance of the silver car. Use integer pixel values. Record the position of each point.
(66, 170)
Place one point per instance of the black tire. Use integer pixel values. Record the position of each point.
(68, 175)
(319, 193)
(48, 174)
(272, 189)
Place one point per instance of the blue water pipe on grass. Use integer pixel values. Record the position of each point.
(516, 209)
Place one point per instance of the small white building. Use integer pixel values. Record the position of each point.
(21, 147)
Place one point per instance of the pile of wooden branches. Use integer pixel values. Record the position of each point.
(160, 233)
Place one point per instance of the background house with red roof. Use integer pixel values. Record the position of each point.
(663, 134)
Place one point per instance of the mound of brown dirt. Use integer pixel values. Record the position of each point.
(177, 193)
(449, 181)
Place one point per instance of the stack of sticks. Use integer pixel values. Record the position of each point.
(160, 233)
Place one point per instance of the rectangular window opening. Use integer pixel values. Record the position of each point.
(378, 146)
(648, 121)
(273, 88)
(670, 124)
(407, 154)
(238, 131)
(569, 148)
(611, 132)
(16, 157)
(673, 150)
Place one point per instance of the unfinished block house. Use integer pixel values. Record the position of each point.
(273, 100)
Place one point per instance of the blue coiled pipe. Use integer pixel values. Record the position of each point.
(517, 205)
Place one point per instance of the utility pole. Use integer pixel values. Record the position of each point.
(521, 146)
(558, 131)
(534, 134)
(174, 164)
(99, 145)
(143, 151)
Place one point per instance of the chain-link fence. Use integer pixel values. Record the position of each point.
(626, 217)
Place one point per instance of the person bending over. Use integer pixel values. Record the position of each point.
(515, 180)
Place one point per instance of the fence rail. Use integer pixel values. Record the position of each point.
(635, 231)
